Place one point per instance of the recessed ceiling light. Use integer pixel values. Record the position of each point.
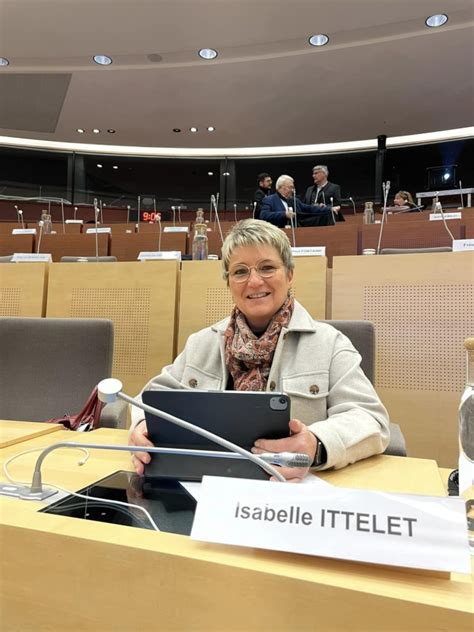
(102, 60)
(115, 167)
(111, 131)
(193, 129)
(207, 53)
(79, 130)
(176, 130)
(210, 173)
(211, 128)
(96, 130)
(99, 166)
(226, 173)
(4, 61)
(318, 40)
(436, 20)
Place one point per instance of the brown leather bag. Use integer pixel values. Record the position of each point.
(87, 419)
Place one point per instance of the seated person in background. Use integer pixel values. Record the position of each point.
(264, 181)
(271, 343)
(279, 207)
(322, 191)
(404, 200)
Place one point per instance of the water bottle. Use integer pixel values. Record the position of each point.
(47, 225)
(466, 441)
(369, 217)
(200, 241)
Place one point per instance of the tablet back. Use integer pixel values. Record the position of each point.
(238, 416)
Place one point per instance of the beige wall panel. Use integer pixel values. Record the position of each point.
(422, 306)
(205, 299)
(138, 297)
(23, 289)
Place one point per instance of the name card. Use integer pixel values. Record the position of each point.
(365, 526)
(105, 230)
(74, 221)
(439, 216)
(160, 255)
(24, 231)
(459, 245)
(29, 257)
(309, 251)
(176, 229)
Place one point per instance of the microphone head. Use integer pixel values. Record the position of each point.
(20, 212)
(108, 389)
(15, 206)
(300, 460)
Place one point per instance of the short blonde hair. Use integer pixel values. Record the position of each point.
(256, 232)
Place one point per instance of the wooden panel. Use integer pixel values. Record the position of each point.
(12, 432)
(196, 586)
(205, 298)
(339, 240)
(140, 299)
(7, 227)
(127, 247)
(23, 289)
(10, 244)
(61, 245)
(422, 306)
(410, 235)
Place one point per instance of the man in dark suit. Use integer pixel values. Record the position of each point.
(264, 182)
(280, 207)
(324, 192)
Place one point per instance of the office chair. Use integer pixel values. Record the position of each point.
(362, 335)
(49, 366)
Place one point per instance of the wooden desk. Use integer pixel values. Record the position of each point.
(61, 572)
(126, 247)
(9, 244)
(73, 245)
(12, 432)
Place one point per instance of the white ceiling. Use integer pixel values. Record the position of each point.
(383, 72)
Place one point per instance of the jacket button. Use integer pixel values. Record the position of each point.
(272, 386)
(314, 388)
(193, 383)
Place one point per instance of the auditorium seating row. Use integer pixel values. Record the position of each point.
(340, 240)
(156, 305)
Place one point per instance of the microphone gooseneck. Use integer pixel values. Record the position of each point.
(353, 205)
(62, 215)
(20, 214)
(96, 213)
(332, 211)
(40, 224)
(460, 193)
(385, 189)
(217, 220)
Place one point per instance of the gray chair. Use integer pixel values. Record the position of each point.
(104, 259)
(410, 251)
(49, 366)
(362, 335)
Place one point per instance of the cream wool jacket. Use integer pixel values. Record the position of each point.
(316, 365)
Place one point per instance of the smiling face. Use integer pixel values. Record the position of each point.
(259, 298)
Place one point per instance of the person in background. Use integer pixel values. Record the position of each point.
(321, 192)
(404, 200)
(271, 343)
(264, 182)
(280, 207)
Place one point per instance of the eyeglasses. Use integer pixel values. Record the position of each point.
(241, 273)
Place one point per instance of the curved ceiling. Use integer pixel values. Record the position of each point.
(383, 71)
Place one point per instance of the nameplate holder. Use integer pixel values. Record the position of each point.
(31, 257)
(439, 216)
(74, 221)
(460, 245)
(160, 255)
(100, 231)
(176, 229)
(309, 251)
(24, 231)
(400, 530)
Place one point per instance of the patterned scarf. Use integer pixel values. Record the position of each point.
(249, 358)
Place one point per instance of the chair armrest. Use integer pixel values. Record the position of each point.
(114, 415)
(397, 445)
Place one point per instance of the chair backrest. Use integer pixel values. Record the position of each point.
(105, 259)
(410, 251)
(362, 335)
(48, 366)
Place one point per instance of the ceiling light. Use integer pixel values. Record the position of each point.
(102, 60)
(207, 53)
(4, 61)
(176, 130)
(210, 128)
(96, 130)
(99, 166)
(193, 129)
(226, 173)
(318, 40)
(436, 20)
(210, 173)
(111, 131)
(79, 130)
(115, 167)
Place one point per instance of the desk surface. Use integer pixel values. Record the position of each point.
(13, 432)
(133, 577)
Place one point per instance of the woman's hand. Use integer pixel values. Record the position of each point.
(301, 440)
(139, 437)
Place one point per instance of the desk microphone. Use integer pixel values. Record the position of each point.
(128, 213)
(253, 212)
(62, 215)
(20, 215)
(331, 199)
(235, 213)
(214, 201)
(17, 213)
(385, 189)
(40, 224)
(75, 212)
(353, 205)
(460, 193)
(96, 213)
(439, 209)
(138, 214)
(158, 219)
